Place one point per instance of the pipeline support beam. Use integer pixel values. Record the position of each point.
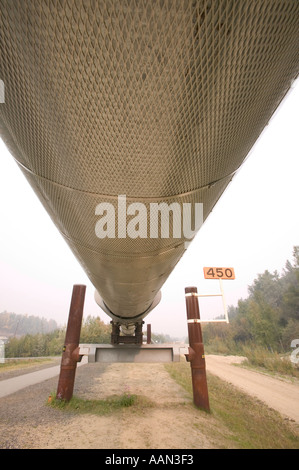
(118, 338)
(148, 333)
(196, 355)
(70, 354)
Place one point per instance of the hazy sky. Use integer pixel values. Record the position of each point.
(253, 227)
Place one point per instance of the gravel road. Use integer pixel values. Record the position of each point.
(278, 394)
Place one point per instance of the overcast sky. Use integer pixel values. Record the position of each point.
(253, 227)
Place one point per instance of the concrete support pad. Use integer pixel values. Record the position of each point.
(133, 352)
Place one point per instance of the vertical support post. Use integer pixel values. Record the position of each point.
(138, 333)
(148, 333)
(115, 332)
(196, 355)
(70, 355)
(223, 301)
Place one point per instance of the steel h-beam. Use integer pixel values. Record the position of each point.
(196, 355)
(70, 354)
(148, 333)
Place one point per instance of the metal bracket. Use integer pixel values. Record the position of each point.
(195, 294)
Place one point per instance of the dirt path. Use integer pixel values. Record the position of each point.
(278, 394)
(171, 423)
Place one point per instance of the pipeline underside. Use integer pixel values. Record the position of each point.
(154, 101)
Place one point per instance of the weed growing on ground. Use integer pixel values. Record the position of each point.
(98, 407)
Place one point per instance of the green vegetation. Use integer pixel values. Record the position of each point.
(259, 357)
(49, 344)
(99, 407)
(94, 330)
(266, 322)
(24, 363)
(246, 422)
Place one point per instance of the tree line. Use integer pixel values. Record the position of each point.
(268, 317)
(12, 324)
(93, 330)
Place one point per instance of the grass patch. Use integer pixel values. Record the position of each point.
(249, 423)
(270, 361)
(99, 407)
(14, 364)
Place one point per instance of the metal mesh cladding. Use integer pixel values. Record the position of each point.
(155, 100)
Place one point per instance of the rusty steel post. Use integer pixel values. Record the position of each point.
(70, 354)
(115, 332)
(148, 333)
(196, 355)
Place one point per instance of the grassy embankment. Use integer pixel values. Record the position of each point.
(25, 363)
(248, 422)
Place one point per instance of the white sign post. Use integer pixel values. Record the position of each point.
(218, 273)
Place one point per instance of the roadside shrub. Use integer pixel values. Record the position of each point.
(270, 360)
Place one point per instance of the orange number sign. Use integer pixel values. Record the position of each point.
(219, 273)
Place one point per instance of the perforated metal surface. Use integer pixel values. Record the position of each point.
(157, 100)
